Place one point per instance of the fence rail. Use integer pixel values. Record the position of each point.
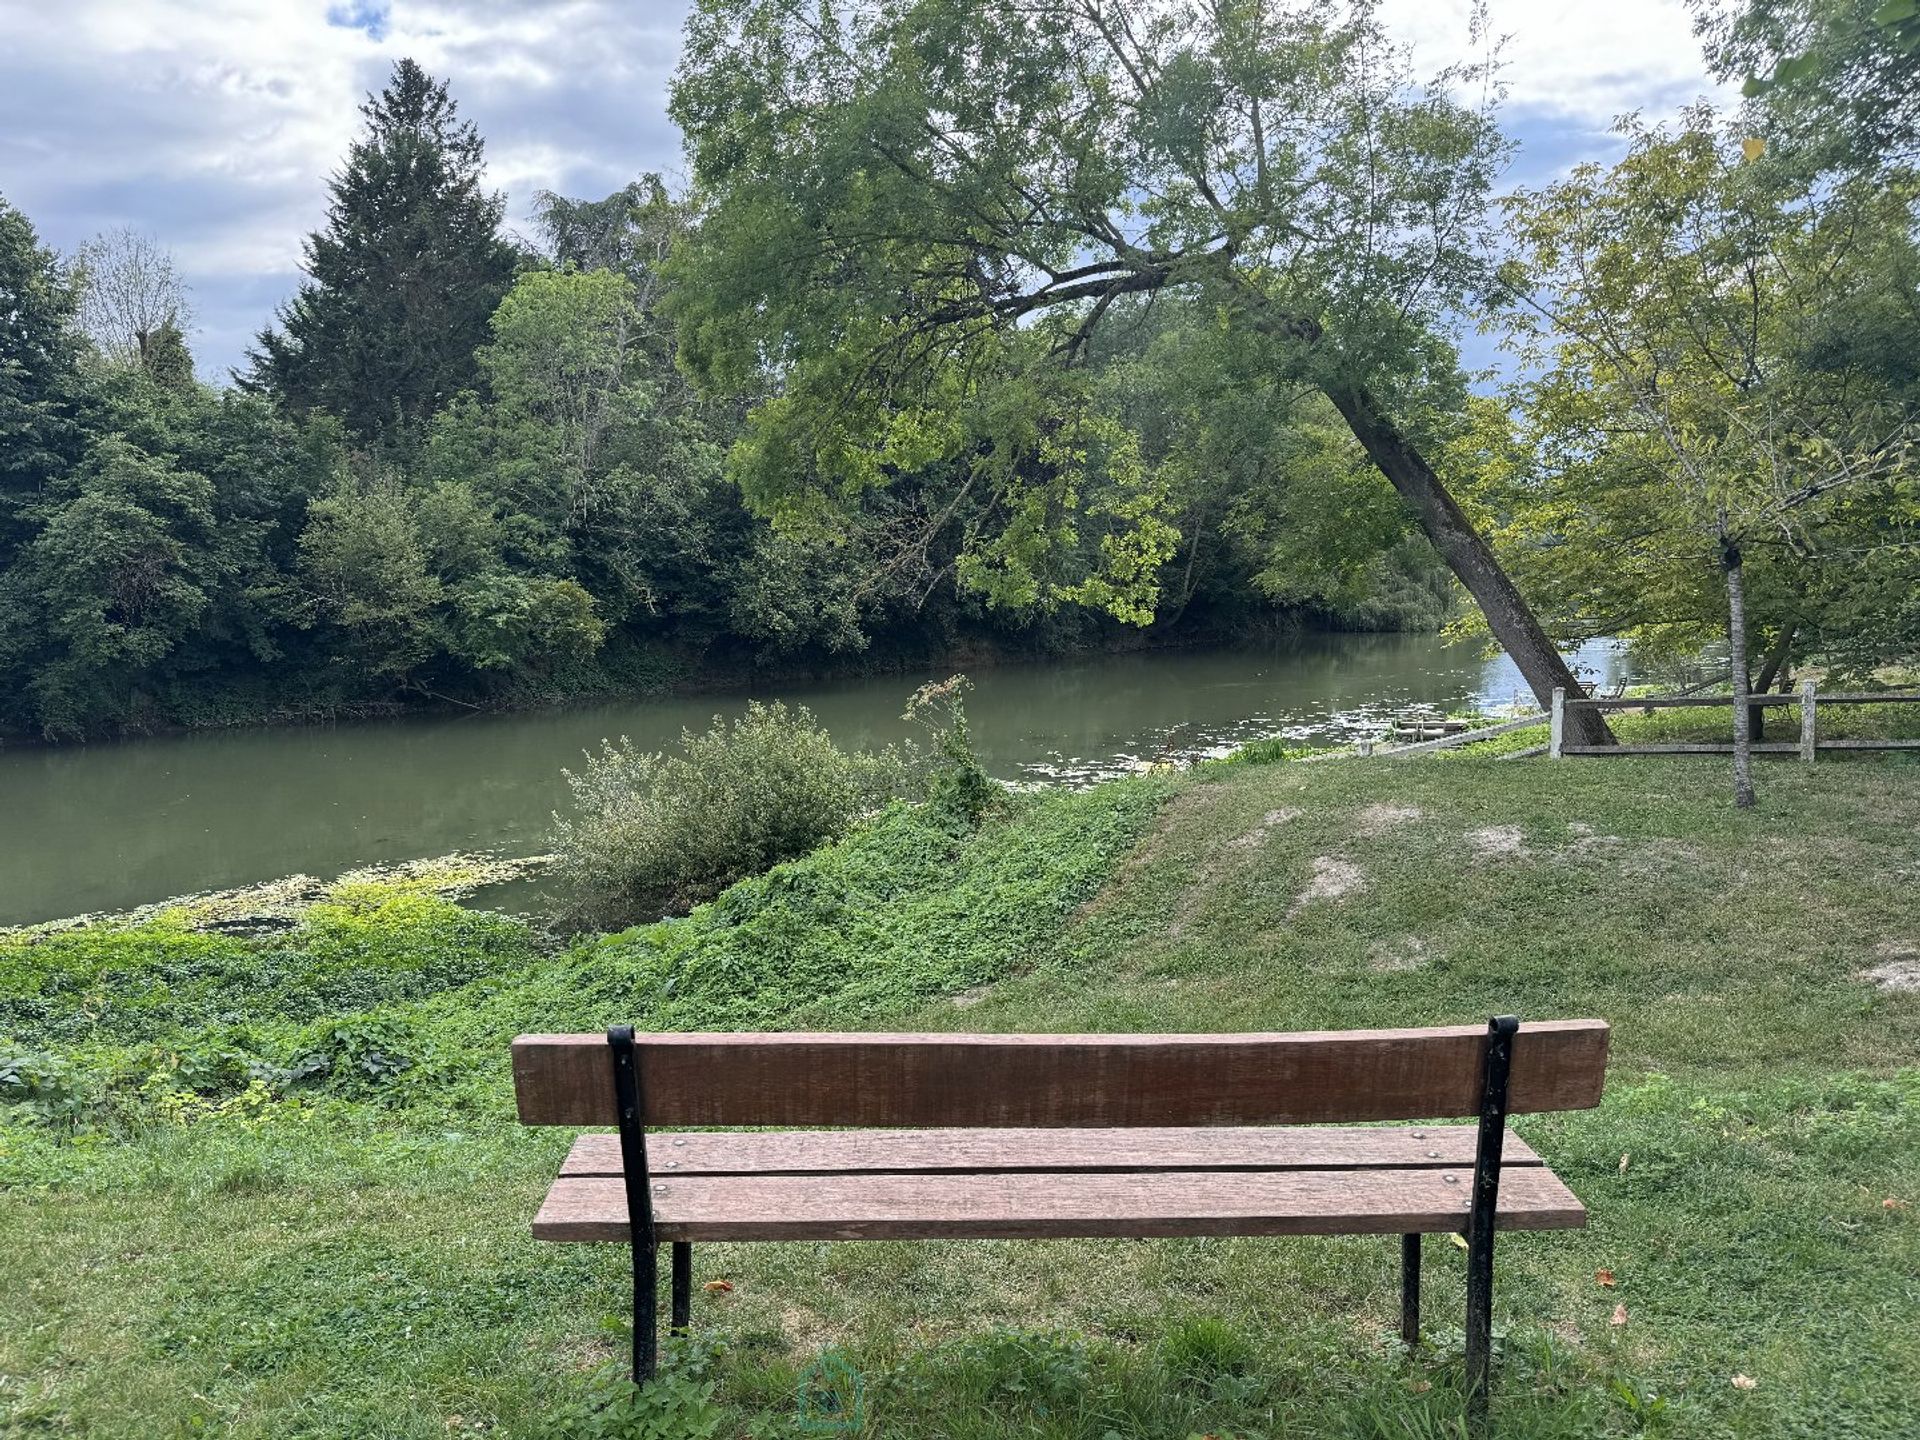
(1455, 740)
(1807, 747)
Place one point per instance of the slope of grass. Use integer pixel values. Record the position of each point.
(216, 1232)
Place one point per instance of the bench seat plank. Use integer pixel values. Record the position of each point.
(1130, 1149)
(1024, 1205)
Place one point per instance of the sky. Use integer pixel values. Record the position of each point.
(213, 124)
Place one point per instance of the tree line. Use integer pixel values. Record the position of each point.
(1003, 324)
(464, 468)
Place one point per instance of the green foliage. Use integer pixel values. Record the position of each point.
(1712, 341)
(45, 1086)
(188, 556)
(678, 1404)
(356, 1057)
(909, 906)
(927, 215)
(629, 232)
(39, 377)
(400, 284)
(958, 785)
(1276, 500)
(1832, 82)
(162, 981)
(118, 579)
(657, 834)
(407, 583)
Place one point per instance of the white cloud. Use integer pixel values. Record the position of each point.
(1583, 62)
(213, 123)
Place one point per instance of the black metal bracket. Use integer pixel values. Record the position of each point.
(646, 1249)
(1485, 1207)
(1410, 1290)
(633, 1169)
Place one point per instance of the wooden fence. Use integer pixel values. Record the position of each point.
(1806, 747)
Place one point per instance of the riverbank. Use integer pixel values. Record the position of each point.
(271, 1186)
(642, 673)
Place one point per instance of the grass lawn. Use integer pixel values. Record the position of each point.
(273, 1188)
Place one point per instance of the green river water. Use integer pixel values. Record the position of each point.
(107, 827)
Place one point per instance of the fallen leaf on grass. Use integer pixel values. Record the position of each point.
(1603, 1277)
(718, 1287)
(1619, 1315)
(1623, 1163)
(1458, 1239)
(1744, 1382)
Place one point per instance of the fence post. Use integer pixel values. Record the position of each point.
(1807, 732)
(1557, 727)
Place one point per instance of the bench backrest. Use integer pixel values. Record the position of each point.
(937, 1080)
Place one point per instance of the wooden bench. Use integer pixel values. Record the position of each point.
(1023, 1136)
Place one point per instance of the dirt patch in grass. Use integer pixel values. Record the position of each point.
(1332, 879)
(1898, 972)
(1269, 822)
(1379, 818)
(1399, 955)
(1498, 842)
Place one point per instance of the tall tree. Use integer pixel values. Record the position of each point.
(39, 434)
(403, 279)
(922, 209)
(133, 304)
(1697, 407)
(117, 580)
(631, 231)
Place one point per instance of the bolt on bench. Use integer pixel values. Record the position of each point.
(1027, 1136)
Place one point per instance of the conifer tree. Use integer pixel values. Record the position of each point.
(39, 435)
(402, 280)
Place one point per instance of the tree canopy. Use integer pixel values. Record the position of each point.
(921, 211)
(402, 281)
(39, 378)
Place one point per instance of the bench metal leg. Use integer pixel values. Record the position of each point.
(683, 1286)
(646, 1322)
(1480, 1219)
(1410, 1290)
(633, 1167)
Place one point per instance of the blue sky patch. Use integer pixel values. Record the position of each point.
(371, 16)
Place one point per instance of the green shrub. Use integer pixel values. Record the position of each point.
(358, 1055)
(957, 784)
(656, 834)
(48, 1088)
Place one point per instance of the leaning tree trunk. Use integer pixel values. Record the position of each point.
(1773, 668)
(1730, 566)
(1471, 559)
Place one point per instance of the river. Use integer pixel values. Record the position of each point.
(107, 827)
